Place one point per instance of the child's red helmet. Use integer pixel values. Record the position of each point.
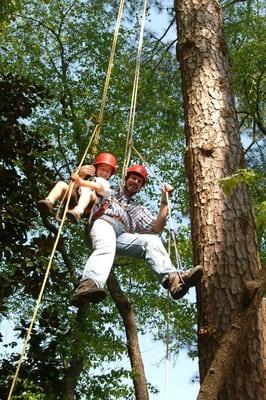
(106, 158)
(138, 169)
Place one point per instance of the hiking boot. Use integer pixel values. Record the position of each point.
(178, 288)
(45, 208)
(88, 291)
(74, 216)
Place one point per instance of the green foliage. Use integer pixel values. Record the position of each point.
(241, 176)
(246, 36)
(261, 217)
(30, 391)
(7, 10)
(253, 179)
(21, 168)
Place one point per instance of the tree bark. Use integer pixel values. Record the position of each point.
(127, 314)
(223, 230)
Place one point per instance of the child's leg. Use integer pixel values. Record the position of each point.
(46, 206)
(57, 192)
(86, 196)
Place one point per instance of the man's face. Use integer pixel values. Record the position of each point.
(133, 184)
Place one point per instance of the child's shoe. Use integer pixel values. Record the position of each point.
(45, 208)
(74, 216)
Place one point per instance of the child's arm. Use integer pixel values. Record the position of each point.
(98, 187)
(86, 171)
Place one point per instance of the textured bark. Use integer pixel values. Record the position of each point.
(127, 314)
(223, 231)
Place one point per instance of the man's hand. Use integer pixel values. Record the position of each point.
(158, 226)
(167, 190)
(87, 170)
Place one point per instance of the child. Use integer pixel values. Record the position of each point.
(105, 166)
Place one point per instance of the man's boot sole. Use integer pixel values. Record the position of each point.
(95, 295)
(195, 278)
(193, 281)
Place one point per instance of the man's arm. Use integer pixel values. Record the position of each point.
(163, 212)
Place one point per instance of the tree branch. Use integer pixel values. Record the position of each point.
(74, 367)
(159, 40)
(127, 314)
(168, 48)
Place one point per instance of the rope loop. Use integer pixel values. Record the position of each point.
(97, 120)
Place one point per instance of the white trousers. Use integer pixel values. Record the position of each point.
(106, 245)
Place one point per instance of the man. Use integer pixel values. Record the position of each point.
(125, 228)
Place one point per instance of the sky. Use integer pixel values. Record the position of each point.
(177, 382)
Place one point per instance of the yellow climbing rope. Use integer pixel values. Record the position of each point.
(132, 113)
(107, 79)
(167, 358)
(95, 138)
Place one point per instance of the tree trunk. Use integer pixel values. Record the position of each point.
(223, 231)
(127, 314)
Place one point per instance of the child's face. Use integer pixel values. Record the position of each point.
(104, 171)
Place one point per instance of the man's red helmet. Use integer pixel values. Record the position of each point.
(106, 158)
(138, 169)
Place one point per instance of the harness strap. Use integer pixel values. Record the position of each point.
(101, 211)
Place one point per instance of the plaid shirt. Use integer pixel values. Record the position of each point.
(135, 217)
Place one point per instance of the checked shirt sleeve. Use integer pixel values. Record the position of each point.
(141, 219)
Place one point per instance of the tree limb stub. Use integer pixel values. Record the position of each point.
(233, 339)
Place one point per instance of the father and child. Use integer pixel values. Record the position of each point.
(118, 226)
(89, 187)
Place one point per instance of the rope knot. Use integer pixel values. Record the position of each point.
(97, 120)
